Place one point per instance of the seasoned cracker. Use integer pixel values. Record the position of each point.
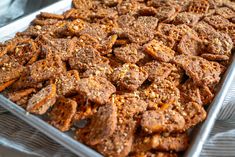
(166, 13)
(187, 18)
(192, 93)
(166, 40)
(96, 89)
(159, 51)
(193, 114)
(174, 142)
(50, 16)
(40, 102)
(158, 121)
(62, 113)
(202, 72)
(66, 83)
(10, 71)
(101, 126)
(120, 143)
(84, 58)
(101, 69)
(130, 53)
(190, 45)
(225, 12)
(46, 69)
(161, 94)
(4, 85)
(129, 76)
(199, 6)
(16, 96)
(165, 28)
(157, 70)
(216, 20)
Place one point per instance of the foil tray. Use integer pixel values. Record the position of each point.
(199, 133)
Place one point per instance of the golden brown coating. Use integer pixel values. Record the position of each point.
(62, 113)
(129, 76)
(202, 72)
(159, 51)
(67, 83)
(158, 121)
(40, 102)
(125, 77)
(102, 125)
(96, 89)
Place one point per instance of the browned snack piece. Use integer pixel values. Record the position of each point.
(4, 59)
(82, 13)
(193, 114)
(180, 30)
(127, 7)
(204, 30)
(225, 12)
(4, 49)
(113, 61)
(176, 75)
(159, 51)
(107, 45)
(166, 40)
(86, 40)
(23, 102)
(50, 16)
(66, 83)
(146, 11)
(62, 113)
(166, 13)
(58, 46)
(84, 58)
(46, 69)
(190, 45)
(44, 22)
(158, 121)
(101, 126)
(157, 70)
(129, 105)
(71, 28)
(130, 53)
(40, 102)
(192, 93)
(220, 44)
(4, 85)
(102, 70)
(16, 96)
(229, 4)
(10, 71)
(202, 72)
(24, 50)
(199, 6)
(120, 142)
(96, 89)
(229, 29)
(141, 30)
(96, 31)
(112, 3)
(187, 18)
(101, 12)
(172, 142)
(129, 76)
(214, 57)
(125, 20)
(215, 3)
(154, 154)
(82, 4)
(161, 94)
(216, 21)
(165, 28)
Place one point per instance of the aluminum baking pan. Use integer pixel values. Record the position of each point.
(199, 134)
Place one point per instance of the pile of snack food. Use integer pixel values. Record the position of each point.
(130, 76)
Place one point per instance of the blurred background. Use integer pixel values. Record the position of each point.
(11, 10)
